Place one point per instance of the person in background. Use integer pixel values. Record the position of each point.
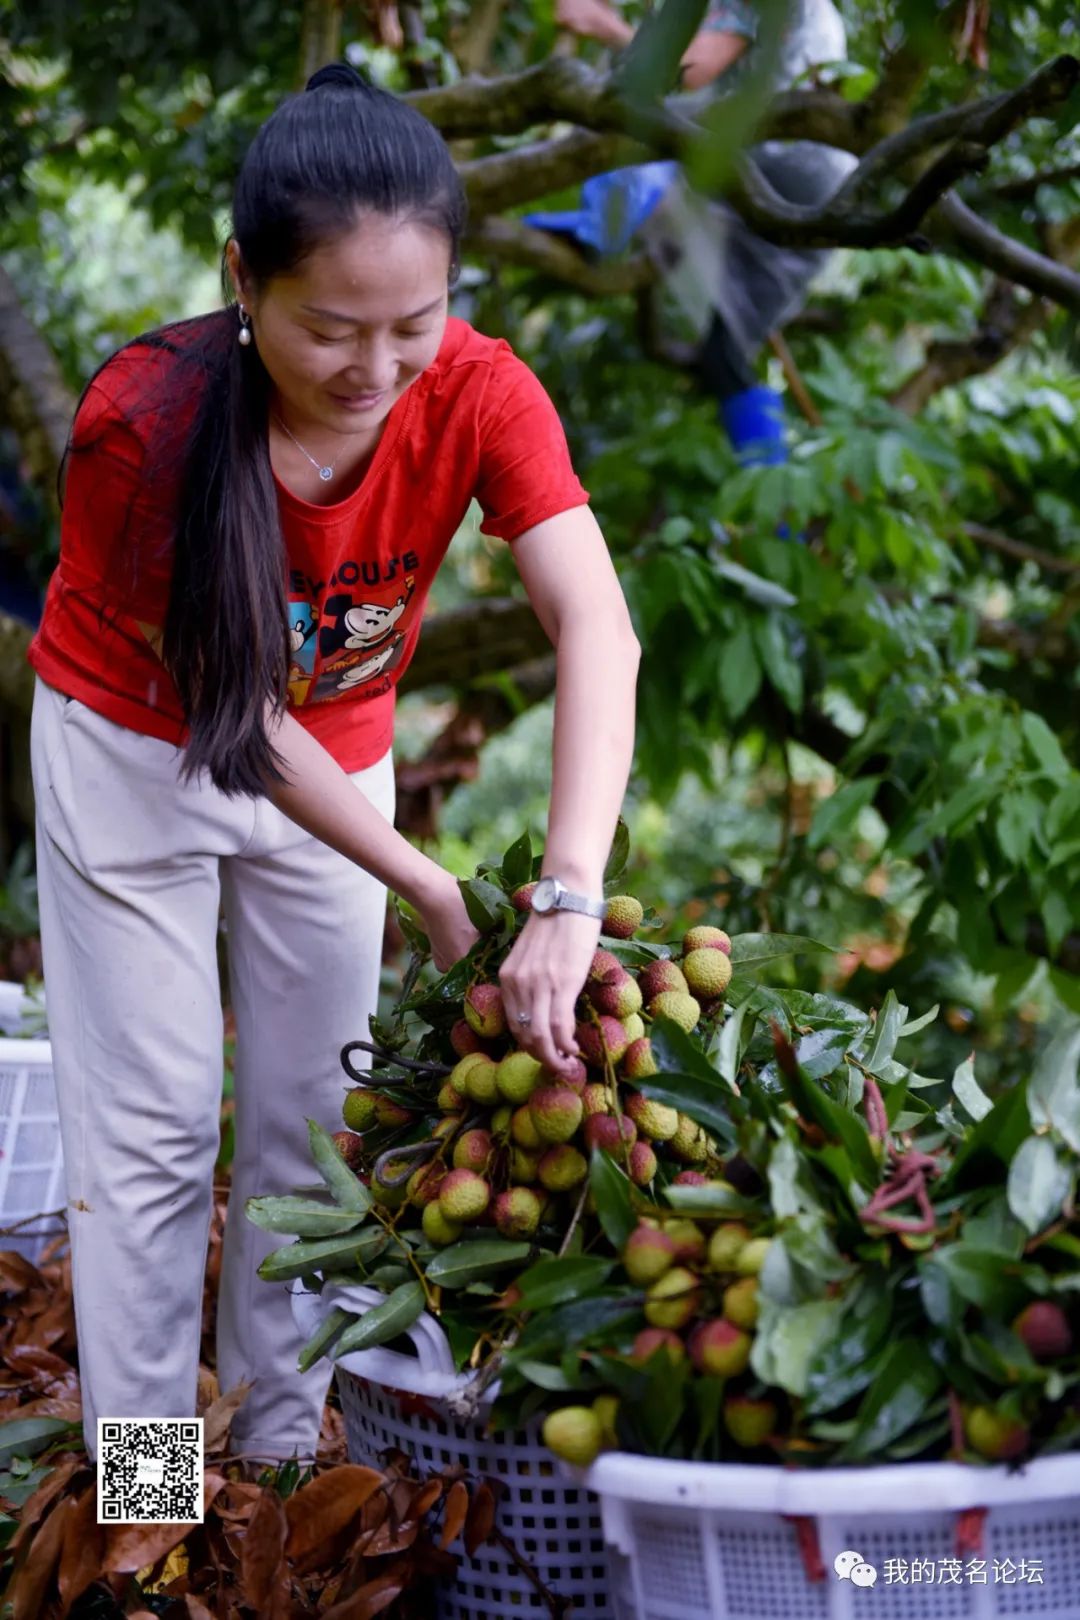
(257, 502)
(732, 286)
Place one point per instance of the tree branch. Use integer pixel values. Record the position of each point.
(509, 178)
(961, 228)
(1025, 186)
(1019, 549)
(1004, 324)
(320, 37)
(511, 242)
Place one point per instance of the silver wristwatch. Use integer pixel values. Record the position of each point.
(551, 895)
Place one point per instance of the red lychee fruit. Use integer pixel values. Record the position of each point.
(464, 1039)
(464, 1196)
(993, 1435)
(473, 1151)
(659, 976)
(1045, 1330)
(592, 1040)
(641, 1165)
(703, 938)
(720, 1349)
(521, 899)
(556, 1112)
(609, 1134)
(561, 1168)
(618, 999)
(517, 1212)
(650, 1340)
(647, 1254)
(350, 1146)
(623, 916)
(605, 968)
(484, 1011)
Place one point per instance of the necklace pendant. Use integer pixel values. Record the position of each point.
(326, 473)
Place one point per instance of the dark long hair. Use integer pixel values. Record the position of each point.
(341, 147)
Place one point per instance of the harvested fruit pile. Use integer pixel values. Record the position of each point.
(740, 1229)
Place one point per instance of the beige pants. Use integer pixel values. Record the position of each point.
(132, 869)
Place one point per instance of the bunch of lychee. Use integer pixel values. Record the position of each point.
(700, 1302)
(514, 1140)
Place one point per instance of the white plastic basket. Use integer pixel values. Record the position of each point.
(389, 1399)
(715, 1541)
(31, 1153)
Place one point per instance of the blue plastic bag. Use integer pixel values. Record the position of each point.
(613, 206)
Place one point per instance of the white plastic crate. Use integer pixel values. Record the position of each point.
(715, 1541)
(31, 1153)
(395, 1400)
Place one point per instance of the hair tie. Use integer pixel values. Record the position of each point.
(340, 75)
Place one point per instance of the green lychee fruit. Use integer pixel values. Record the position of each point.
(609, 1134)
(437, 1229)
(424, 1183)
(523, 1166)
(641, 1164)
(708, 973)
(726, 1244)
(751, 1257)
(720, 1349)
(690, 1143)
(459, 1073)
(561, 1168)
(689, 1240)
(574, 1434)
(358, 1110)
(681, 1009)
(606, 1408)
(484, 1011)
(464, 1040)
(523, 1129)
(350, 1146)
(635, 1029)
(449, 1099)
(653, 1119)
(673, 1299)
(517, 1077)
(521, 899)
(703, 938)
(993, 1435)
(596, 1098)
(650, 1340)
(390, 1197)
(1045, 1330)
(741, 1302)
(517, 1212)
(392, 1115)
(749, 1422)
(639, 1062)
(473, 1151)
(623, 916)
(605, 1036)
(647, 1254)
(480, 1082)
(556, 1112)
(605, 968)
(618, 1000)
(464, 1196)
(659, 976)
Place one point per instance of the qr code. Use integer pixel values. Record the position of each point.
(150, 1471)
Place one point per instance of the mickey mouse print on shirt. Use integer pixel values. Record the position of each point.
(360, 640)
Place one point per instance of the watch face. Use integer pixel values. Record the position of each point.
(544, 895)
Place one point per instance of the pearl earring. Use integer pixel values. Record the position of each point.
(244, 334)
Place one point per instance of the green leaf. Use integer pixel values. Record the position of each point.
(612, 1195)
(1016, 824)
(968, 1090)
(1039, 1183)
(545, 1376)
(772, 635)
(746, 948)
(329, 1329)
(579, 1322)
(886, 1033)
(763, 592)
(788, 1338)
(983, 1277)
(727, 1048)
(562, 1279)
(25, 1437)
(1054, 1088)
(649, 66)
(847, 1364)
(384, 1322)
(469, 1261)
(834, 816)
(990, 1144)
(618, 855)
(484, 902)
(710, 1199)
(295, 1259)
(815, 1104)
(303, 1216)
(740, 673)
(897, 1399)
(1057, 915)
(676, 1052)
(918, 1024)
(517, 863)
(348, 1190)
(1043, 745)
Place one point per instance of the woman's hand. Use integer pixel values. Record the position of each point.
(543, 976)
(446, 922)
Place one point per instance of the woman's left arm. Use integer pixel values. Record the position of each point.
(572, 585)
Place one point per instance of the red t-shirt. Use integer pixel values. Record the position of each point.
(475, 423)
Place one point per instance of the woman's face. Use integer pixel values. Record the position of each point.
(344, 335)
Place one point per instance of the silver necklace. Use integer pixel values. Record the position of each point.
(325, 473)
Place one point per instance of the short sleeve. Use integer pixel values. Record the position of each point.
(526, 475)
(110, 513)
(732, 17)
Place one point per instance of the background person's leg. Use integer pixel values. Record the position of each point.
(305, 932)
(128, 926)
